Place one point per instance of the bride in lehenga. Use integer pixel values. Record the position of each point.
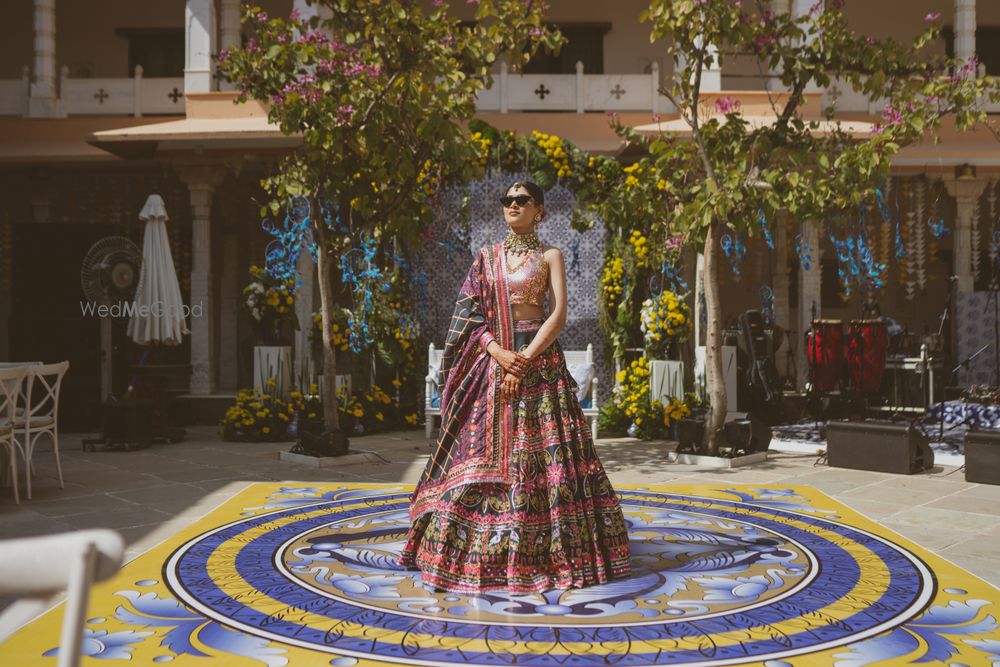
(514, 496)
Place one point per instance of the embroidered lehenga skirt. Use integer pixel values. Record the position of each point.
(558, 525)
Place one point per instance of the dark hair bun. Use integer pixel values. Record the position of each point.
(536, 192)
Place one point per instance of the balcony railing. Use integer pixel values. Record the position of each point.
(137, 96)
(574, 92)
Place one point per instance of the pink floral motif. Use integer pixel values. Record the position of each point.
(727, 105)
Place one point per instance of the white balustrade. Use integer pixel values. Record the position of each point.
(119, 96)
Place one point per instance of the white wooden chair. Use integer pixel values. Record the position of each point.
(580, 364)
(11, 381)
(41, 415)
(432, 389)
(576, 362)
(38, 567)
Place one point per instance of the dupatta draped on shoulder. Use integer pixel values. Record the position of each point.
(476, 425)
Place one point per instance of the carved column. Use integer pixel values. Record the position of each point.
(43, 102)
(800, 8)
(201, 182)
(229, 32)
(810, 297)
(966, 194)
(965, 29)
(199, 45)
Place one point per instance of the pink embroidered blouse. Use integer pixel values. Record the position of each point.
(529, 283)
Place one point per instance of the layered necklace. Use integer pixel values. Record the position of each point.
(521, 244)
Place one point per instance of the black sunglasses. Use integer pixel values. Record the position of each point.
(520, 200)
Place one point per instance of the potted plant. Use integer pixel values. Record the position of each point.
(270, 304)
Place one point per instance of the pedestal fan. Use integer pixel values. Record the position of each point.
(109, 277)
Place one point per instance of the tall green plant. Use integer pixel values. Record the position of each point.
(729, 173)
(379, 92)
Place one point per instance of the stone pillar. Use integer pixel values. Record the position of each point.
(774, 77)
(965, 29)
(43, 101)
(810, 297)
(966, 194)
(199, 45)
(201, 182)
(304, 307)
(230, 295)
(800, 8)
(229, 32)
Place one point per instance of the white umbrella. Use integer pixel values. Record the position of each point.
(158, 313)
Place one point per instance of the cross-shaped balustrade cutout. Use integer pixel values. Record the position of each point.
(101, 95)
(175, 95)
(542, 91)
(618, 91)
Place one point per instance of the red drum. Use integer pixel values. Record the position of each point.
(867, 344)
(825, 352)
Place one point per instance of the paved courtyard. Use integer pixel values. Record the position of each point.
(149, 494)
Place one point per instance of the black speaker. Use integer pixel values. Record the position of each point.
(982, 457)
(877, 446)
(760, 432)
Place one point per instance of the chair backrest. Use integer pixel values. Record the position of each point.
(11, 380)
(579, 357)
(434, 357)
(44, 381)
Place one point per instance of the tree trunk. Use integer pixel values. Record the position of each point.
(714, 378)
(325, 265)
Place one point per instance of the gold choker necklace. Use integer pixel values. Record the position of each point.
(521, 244)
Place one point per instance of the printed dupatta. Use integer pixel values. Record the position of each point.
(476, 424)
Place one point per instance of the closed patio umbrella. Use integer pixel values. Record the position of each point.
(158, 315)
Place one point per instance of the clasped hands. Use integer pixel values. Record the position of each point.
(515, 365)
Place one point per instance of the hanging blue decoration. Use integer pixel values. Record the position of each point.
(900, 247)
(673, 279)
(804, 251)
(291, 234)
(935, 222)
(996, 246)
(767, 304)
(856, 265)
(364, 276)
(762, 219)
(735, 249)
(883, 208)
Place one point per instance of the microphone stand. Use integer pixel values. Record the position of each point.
(954, 372)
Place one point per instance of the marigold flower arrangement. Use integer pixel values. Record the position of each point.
(262, 416)
(611, 281)
(664, 319)
(270, 302)
(555, 151)
(630, 410)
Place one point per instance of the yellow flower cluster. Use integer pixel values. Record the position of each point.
(633, 387)
(411, 419)
(674, 410)
(405, 333)
(484, 146)
(632, 179)
(428, 179)
(641, 246)
(265, 296)
(555, 150)
(611, 280)
(261, 415)
(663, 319)
(339, 338)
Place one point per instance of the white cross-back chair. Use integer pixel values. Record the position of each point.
(41, 415)
(38, 567)
(11, 381)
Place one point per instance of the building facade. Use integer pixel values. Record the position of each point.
(100, 109)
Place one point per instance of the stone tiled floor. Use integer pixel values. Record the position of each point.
(149, 494)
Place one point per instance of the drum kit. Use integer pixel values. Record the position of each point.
(860, 351)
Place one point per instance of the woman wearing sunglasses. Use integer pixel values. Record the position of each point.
(514, 497)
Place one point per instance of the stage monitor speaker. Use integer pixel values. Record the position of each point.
(877, 446)
(761, 434)
(982, 457)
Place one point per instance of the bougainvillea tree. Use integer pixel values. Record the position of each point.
(379, 92)
(728, 176)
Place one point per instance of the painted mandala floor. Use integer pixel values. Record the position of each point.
(723, 575)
